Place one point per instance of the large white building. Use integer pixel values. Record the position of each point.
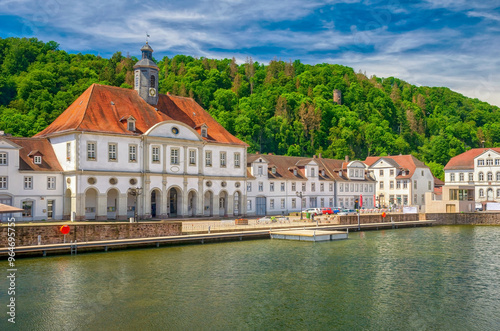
(471, 177)
(402, 180)
(118, 151)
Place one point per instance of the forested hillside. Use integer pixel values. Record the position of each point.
(282, 107)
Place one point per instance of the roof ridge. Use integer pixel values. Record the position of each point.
(86, 106)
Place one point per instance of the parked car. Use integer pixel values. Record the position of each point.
(336, 210)
(326, 211)
(312, 211)
(347, 212)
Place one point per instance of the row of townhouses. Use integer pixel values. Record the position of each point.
(116, 153)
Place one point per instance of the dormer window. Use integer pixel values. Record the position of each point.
(323, 172)
(313, 173)
(37, 159)
(131, 124)
(295, 172)
(273, 170)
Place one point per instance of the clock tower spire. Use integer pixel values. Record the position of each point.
(146, 76)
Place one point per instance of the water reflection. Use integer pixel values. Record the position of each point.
(424, 278)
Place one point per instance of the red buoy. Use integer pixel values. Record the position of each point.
(384, 214)
(64, 229)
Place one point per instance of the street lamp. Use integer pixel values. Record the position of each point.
(135, 192)
(299, 194)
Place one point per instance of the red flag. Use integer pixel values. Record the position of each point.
(361, 201)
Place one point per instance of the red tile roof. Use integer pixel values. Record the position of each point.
(408, 162)
(103, 109)
(465, 160)
(286, 164)
(42, 146)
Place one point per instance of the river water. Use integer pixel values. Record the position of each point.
(433, 278)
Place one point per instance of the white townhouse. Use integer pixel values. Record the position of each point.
(279, 185)
(402, 180)
(30, 178)
(283, 184)
(117, 152)
(473, 176)
(354, 187)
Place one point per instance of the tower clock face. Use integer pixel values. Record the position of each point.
(152, 92)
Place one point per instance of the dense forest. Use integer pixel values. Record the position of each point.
(283, 107)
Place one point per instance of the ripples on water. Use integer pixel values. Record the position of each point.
(440, 278)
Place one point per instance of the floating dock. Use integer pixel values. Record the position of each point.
(309, 235)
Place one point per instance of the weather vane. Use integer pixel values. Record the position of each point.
(147, 36)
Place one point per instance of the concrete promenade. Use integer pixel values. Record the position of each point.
(236, 235)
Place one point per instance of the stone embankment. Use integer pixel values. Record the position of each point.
(27, 235)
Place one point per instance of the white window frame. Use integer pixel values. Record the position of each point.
(4, 182)
(28, 182)
(132, 153)
(91, 151)
(37, 159)
(112, 152)
(155, 154)
(51, 183)
(223, 159)
(68, 151)
(174, 156)
(192, 157)
(237, 160)
(282, 185)
(208, 158)
(4, 158)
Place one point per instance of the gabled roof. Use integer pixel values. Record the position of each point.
(41, 145)
(101, 108)
(407, 162)
(285, 165)
(465, 161)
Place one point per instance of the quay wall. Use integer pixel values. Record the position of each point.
(478, 218)
(27, 235)
(481, 218)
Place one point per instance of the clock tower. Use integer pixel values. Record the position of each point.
(146, 76)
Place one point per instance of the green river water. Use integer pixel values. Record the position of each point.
(431, 278)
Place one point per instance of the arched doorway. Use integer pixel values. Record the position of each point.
(174, 202)
(90, 204)
(192, 203)
(223, 203)
(237, 203)
(155, 203)
(208, 205)
(112, 204)
(67, 205)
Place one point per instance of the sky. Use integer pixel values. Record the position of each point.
(452, 43)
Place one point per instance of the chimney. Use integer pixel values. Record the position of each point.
(314, 156)
(257, 153)
(319, 155)
(347, 159)
(269, 153)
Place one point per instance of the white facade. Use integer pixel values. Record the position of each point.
(354, 188)
(483, 176)
(179, 174)
(397, 186)
(39, 193)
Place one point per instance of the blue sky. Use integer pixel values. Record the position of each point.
(453, 43)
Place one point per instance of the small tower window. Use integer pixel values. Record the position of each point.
(153, 81)
(37, 159)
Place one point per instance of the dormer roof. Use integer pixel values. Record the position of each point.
(36, 146)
